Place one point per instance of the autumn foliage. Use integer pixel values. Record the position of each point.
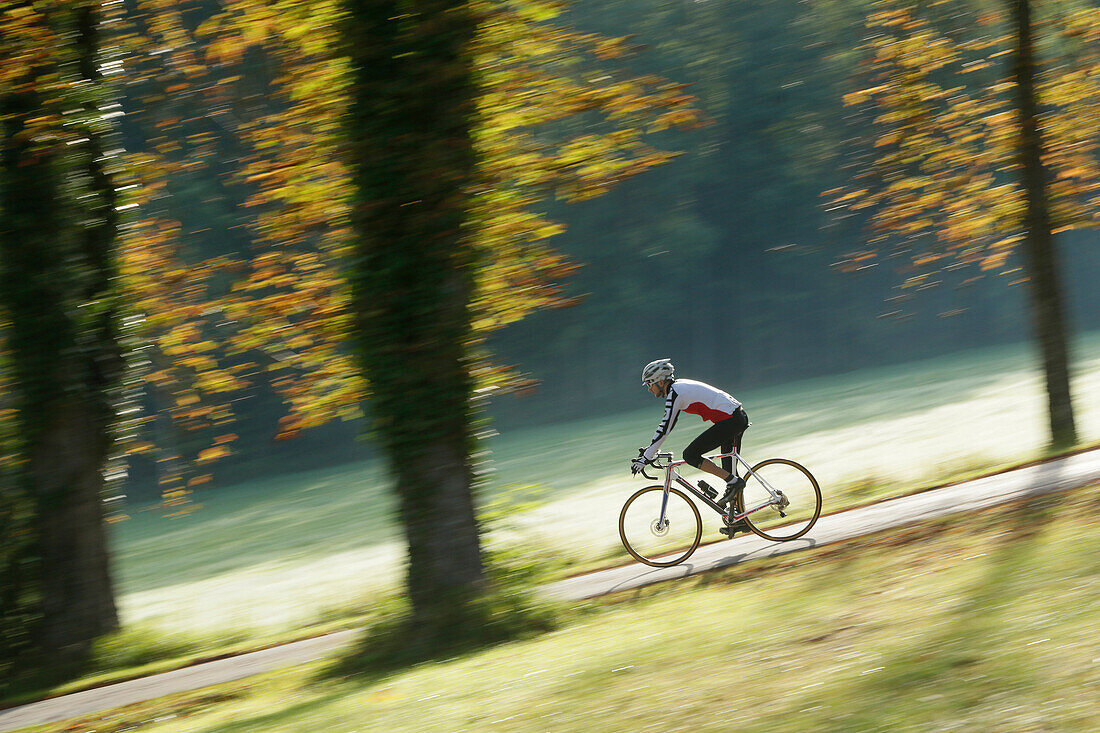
(257, 92)
(937, 179)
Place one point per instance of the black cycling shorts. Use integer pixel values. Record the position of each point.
(725, 435)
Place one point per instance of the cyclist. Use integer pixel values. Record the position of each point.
(713, 405)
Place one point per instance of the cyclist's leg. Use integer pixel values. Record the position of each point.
(707, 441)
(726, 434)
(735, 431)
(736, 438)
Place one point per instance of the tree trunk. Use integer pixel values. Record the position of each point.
(1048, 308)
(65, 469)
(413, 105)
(57, 277)
(445, 566)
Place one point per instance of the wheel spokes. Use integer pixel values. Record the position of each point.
(651, 538)
(791, 494)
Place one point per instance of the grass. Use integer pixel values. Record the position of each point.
(283, 558)
(977, 622)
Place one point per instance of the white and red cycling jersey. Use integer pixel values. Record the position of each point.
(696, 398)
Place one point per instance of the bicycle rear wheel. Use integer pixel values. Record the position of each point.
(653, 543)
(796, 484)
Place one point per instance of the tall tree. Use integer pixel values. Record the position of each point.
(459, 125)
(959, 172)
(412, 157)
(58, 283)
(1047, 301)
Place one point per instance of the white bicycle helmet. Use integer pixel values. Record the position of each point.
(655, 371)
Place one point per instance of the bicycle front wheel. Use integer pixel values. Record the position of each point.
(796, 485)
(656, 542)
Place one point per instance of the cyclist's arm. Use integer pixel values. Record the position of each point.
(668, 422)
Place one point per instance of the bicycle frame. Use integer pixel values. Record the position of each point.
(672, 474)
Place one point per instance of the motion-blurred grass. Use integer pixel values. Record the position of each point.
(278, 553)
(982, 622)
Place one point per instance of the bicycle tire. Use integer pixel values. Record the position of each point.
(646, 515)
(796, 481)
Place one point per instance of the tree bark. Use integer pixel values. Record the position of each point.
(66, 471)
(1048, 308)
(413, 163)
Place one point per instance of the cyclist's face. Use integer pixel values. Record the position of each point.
(657, 389)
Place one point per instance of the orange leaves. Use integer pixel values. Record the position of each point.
(25, 43)
(285, 306)
(212, 454)
(864, 95)
(994, 261)
(939, 183)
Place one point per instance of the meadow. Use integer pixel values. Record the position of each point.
(272, 556)
(977, 622)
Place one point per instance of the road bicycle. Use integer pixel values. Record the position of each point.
(660, 526)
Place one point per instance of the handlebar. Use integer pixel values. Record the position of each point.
(656, 463)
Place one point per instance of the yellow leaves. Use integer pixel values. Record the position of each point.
(942, 162)
(847, 196)
(1078, 172)
(225, 51)
(606, 49)
(212, 454)
(999, 120)
(683, 119)
(289, 301)
(864, 95)
(973, 66)
(994, 261)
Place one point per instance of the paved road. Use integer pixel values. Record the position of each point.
(168, 683)
(1066, 473)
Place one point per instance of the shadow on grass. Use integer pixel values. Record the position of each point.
(34, 679)
(282, 716)
(508, 608)
(964, 667)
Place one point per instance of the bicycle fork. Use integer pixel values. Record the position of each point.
(662, 520)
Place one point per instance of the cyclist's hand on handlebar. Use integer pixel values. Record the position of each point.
(639, 464)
